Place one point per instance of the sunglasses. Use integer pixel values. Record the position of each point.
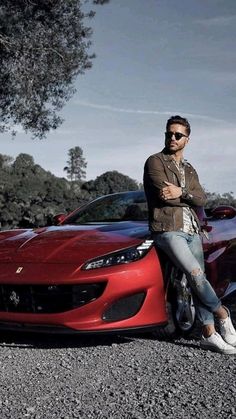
(177, 135)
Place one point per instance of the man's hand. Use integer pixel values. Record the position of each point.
(170, 191)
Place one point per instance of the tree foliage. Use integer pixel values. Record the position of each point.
(76, 164)
(110, 182)
(44, 45)
(215, 199)
(30, 196)
(5, 160)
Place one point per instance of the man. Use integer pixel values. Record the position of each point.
(173, 190)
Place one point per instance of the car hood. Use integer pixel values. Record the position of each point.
(69, 244)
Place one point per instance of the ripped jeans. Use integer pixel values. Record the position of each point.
(186, 253)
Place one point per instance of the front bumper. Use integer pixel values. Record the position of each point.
(122, 282)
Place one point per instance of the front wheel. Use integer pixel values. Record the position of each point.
(180, 308)
(183, 308)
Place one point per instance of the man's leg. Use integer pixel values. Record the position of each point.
(177, 246)
(195, 246)
(189, 258)
(225, 324)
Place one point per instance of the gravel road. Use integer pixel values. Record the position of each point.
(114, 377)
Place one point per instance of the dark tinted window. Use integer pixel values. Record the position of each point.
(117, 207)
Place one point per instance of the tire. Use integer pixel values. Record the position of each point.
(169, 331)
(183, 308)
(180, 308)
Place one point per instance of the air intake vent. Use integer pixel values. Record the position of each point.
(48, 298)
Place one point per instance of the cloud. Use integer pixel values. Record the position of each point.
(59, 131)
(217, 21)
(147, 112)
(63, 131)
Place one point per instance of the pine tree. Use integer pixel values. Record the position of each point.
(76, 164)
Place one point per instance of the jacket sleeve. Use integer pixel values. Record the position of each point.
(194, 195)
(155, 177)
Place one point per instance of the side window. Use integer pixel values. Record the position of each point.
(110, 208)
(136, 212)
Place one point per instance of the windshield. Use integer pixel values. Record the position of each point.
(112, 208)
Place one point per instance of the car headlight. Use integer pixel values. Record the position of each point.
(118, 258)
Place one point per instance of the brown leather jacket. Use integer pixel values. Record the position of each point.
(168, 215)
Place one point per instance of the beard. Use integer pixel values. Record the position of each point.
(174, 148)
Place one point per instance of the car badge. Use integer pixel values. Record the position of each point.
(18, 271)
(14, 298)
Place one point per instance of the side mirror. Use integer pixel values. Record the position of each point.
(223, 211)
(57, 219)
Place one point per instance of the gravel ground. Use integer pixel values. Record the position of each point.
(114, 377)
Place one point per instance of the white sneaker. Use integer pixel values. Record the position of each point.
(215, 343)
(227, 329)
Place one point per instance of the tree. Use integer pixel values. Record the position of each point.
(23, 164)
(30, 196)
(5, 161)
(110, 182)
(76, 164)
(215, 199)
(43, 47)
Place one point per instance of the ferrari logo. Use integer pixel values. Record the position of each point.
(18, 271)
(14, 298)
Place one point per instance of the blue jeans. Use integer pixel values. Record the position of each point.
(186, 252)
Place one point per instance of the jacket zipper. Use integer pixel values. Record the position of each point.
(174, 221)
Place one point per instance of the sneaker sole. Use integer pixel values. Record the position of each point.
(232, 344)
(218, 350)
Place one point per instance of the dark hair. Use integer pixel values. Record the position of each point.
(178, 120)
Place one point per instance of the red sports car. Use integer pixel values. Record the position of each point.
(98, 271)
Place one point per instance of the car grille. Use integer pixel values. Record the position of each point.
(48, 298)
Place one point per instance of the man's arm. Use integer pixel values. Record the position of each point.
(171, 191)
(155, 172)
(171, 194)
(194, 195)
(196, 198)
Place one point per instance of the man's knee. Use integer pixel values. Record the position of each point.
(198, 278)
(196, 272)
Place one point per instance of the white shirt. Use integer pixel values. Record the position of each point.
(189, 224)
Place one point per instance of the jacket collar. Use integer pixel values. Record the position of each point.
(167, 157)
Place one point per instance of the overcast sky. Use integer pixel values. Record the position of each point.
(155, 58)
